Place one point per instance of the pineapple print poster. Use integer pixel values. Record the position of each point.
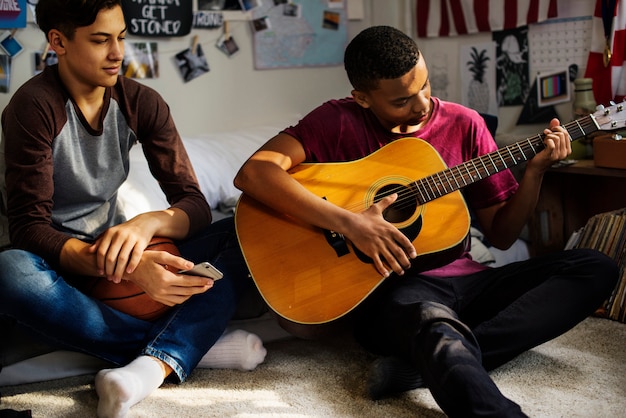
(478, 77)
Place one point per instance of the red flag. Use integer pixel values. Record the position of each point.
(609, 82)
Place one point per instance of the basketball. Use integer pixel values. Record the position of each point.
(126, 296)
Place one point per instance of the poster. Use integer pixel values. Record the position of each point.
(158, 18)
(13, 14)
(478, 77)
(513, 85)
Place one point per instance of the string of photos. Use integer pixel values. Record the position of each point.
(144, 19)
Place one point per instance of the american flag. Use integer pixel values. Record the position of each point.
(460, 17)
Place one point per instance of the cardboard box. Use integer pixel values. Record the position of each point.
(608, 152)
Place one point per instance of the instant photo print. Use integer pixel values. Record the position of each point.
(10, 45)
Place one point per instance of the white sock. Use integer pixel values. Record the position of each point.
(120, 389)
(236, 349)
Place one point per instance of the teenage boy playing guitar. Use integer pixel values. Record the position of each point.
(446, 327)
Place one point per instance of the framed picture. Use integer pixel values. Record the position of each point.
(553, 87)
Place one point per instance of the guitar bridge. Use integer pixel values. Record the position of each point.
(337, 242)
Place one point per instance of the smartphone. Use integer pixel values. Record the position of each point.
(10, 45)
(205, 269)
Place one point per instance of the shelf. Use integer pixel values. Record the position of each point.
(587, 167)
(569, 196)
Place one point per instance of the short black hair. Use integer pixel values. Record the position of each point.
(379, 53)
(67, 15)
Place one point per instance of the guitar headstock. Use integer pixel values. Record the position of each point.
(610, 118)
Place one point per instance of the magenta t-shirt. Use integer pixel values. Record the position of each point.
(342, 130)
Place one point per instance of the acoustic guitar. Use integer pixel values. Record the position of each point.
(309, 275)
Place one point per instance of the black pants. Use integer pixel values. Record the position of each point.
(454, 330)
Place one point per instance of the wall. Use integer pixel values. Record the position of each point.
(508, 115)
(232, 94)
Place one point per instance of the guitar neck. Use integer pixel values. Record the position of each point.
(457, 177)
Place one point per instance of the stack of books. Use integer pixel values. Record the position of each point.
(606, 232)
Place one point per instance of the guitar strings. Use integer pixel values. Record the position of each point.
(446, 181)
(478, 168)
(431, 187)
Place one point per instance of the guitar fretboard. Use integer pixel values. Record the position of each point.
(457, 177)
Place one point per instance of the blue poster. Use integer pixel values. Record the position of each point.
(13, 14)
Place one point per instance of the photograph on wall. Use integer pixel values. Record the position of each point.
(210, 4)
(512, 80)
(5, 73)
(50, 59)
(192, 63)
(227, 45)
(331, 20)
(249, 4)
(291, 10)
(478, 77)
(261, 23)
(141, 60)
(9, 43)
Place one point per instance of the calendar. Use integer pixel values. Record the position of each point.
(558, 43)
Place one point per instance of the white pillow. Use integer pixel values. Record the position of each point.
(216, 158)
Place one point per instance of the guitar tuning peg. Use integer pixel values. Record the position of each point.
(600, 107)
(612, 103)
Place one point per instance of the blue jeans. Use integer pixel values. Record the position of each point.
(42, 302)
(454, 330)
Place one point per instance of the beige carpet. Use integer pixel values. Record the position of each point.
(580, 374)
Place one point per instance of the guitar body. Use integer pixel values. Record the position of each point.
(308, 278)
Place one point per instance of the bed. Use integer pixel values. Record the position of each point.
(216, 157)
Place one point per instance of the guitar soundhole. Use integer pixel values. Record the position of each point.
(403, 208)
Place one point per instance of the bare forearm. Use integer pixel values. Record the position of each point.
(119, 248)
(511, 218)
(172, 223)
(503, 223)
(261, 177)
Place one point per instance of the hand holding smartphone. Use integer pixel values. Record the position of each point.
(204, 269)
